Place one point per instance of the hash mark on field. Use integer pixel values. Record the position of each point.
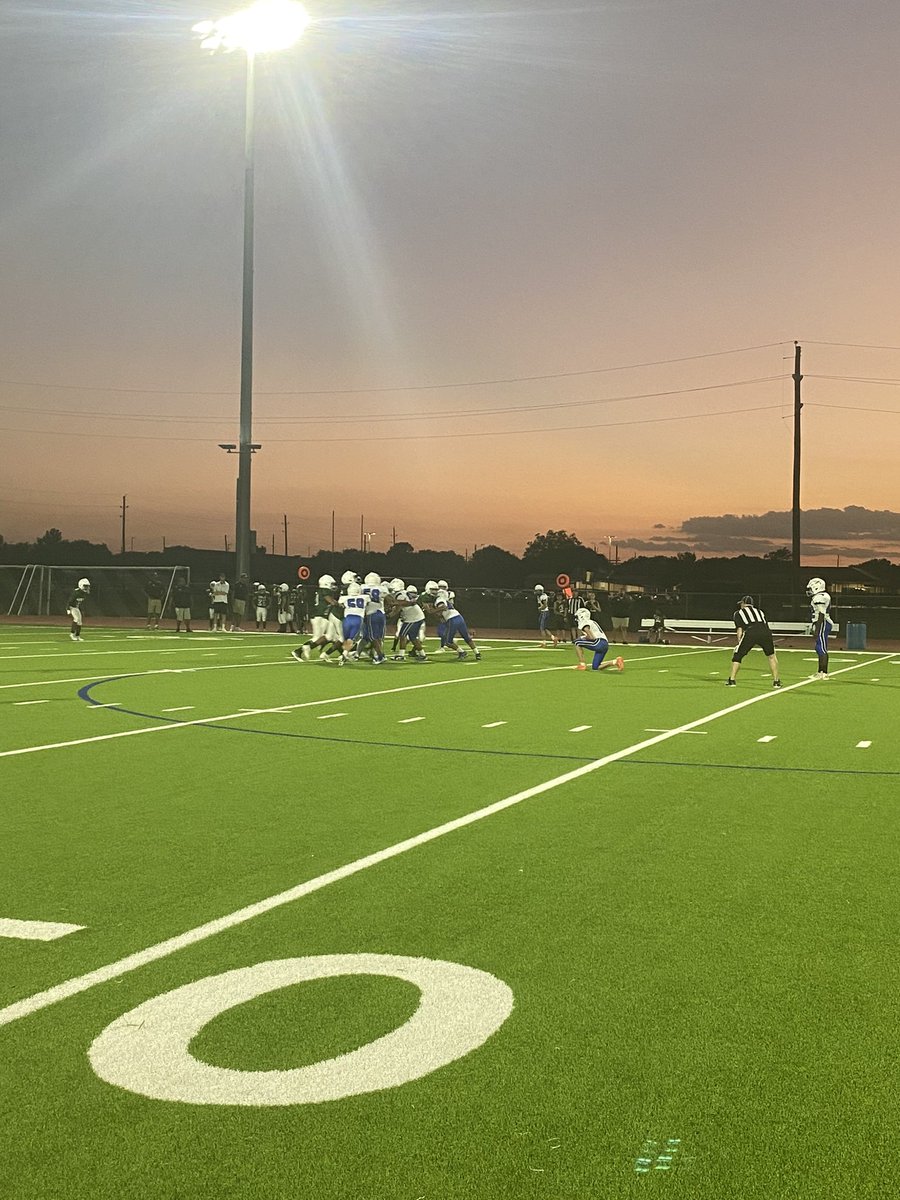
(182, 708)
(493, 724)
(108, 704)
(863, 745)
(770, 737)
(409, 720)
(702, 732)
(22, 703)
(329, 716)
(579, 728)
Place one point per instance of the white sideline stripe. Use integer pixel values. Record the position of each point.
(82, 983)
(35, 931)
(20, 703)
(770, 737)
(863, 745)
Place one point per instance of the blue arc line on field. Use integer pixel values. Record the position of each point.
(140, 958)
(85, 694)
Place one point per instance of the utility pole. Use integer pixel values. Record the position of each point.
(273, 543)
(285, 536)
(795, 505)
(124, 507)
(226, 543)
(164, 544)
(393, 536)
(362, 536)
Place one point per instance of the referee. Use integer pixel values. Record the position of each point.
(752, 630)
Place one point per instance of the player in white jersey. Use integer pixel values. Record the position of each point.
(454, 625)
(591, 637)
(412, 617)
(353, 603)
(821, 624)
(544, 624)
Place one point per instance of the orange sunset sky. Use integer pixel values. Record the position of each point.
(453, 195)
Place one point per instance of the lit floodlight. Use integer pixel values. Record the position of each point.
(265, 26)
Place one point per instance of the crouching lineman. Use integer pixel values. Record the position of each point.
(752, 630)
(821, 625)
(327, 633)
(591, 637)
(455, 625)
(74, 608)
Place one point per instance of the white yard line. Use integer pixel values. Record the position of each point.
(82, 983)
(36, 931)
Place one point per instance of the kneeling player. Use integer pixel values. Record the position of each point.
(591, 637)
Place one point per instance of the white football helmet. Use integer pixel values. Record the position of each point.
(325, 581)
(283, 587)
(84, 584)
(443, 585)
(353, 589)
(431, 587)
(538, 587)
(397, 585)
(349, 577)
(583, 616)
(373, 579)
(412, 591)
(815, 586)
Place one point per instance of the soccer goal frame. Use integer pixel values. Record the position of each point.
(38, 587)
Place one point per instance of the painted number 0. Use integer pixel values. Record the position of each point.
(147, 1050)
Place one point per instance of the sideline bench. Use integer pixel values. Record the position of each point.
(719, 629)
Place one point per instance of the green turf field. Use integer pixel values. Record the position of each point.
(457, 931)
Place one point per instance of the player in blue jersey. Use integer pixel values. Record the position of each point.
(375, 617)
(591, 637)
(821, 624)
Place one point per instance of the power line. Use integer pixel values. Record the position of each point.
(372, 418)
(415, 437)
(849, 345)
(859, 379)
(369, 391)
(851, 407)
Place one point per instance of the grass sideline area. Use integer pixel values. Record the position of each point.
(491, 930)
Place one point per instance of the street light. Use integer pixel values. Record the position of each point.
(266, 26)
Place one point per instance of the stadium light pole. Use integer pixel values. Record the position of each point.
(263, 28)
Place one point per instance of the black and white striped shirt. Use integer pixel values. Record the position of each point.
(748, 615)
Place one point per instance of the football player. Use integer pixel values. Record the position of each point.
(375, 618)
(326, 626)
(591, 637)
(455, 626)
(545, 625)
(411, 616)
(75, 610)
(261, 602)
(353, 602)
(821, 624)
(285, 612)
